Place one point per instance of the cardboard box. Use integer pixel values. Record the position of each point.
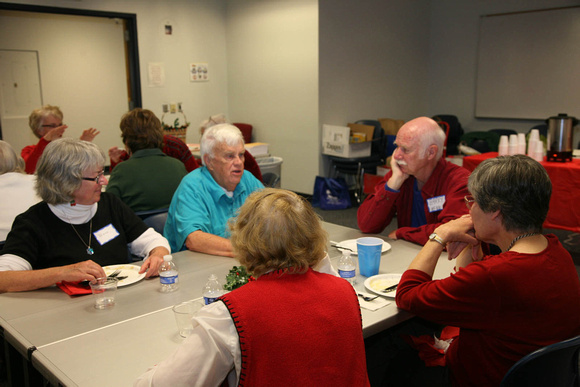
(257, 148)
(336, 140)
(391, 126)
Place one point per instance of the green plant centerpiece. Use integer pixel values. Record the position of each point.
(176, 125)
(237, 277)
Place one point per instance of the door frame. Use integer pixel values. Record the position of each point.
(131, 43)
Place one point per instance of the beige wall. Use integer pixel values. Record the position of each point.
(273, 81)
(198, 36)
(79, 72)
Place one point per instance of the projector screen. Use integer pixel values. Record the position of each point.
(528, 64)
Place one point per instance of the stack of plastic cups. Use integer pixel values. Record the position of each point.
(539, 152)
(534, 138)
(503, 146)
(521, 144)
(513, 144)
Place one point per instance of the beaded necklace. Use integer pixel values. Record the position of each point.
(521, 237)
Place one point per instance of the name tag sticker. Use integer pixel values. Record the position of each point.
(106, 234)
(436, 203)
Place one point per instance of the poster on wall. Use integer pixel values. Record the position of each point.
(198, 72)
(156, 75)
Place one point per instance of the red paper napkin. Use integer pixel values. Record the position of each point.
(74, 289)
(430, 349)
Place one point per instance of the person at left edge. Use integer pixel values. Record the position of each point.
(210, 195)
(76, 229)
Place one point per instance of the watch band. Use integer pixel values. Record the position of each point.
(436, 238)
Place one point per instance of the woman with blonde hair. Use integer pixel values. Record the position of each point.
(17, 191)
(295, 325)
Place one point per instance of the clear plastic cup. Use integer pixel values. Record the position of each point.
(183, 313)
(104, 290)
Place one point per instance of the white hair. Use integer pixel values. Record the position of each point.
(219, 134)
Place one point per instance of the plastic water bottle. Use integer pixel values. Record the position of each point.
(168, 275)
(212, 290)
(347, 267)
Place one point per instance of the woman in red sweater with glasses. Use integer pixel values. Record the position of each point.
(506, 305)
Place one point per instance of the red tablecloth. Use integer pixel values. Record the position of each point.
(564, 210)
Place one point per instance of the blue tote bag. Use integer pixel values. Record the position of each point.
(331, 194)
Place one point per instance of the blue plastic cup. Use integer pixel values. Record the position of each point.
(369, 255)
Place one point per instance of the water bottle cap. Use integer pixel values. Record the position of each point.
(167, 257)
(212, 277)
(346, 252)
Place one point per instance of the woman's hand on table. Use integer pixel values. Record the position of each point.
(153, 262)
(87, 270)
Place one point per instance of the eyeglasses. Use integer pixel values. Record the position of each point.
(95, 179)
(469, 200)
(52, 125)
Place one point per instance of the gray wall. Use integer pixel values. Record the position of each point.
(374, 61)
(453, 57)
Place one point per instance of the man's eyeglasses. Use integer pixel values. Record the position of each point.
(52, 125)
(469, 200)
(95, 179)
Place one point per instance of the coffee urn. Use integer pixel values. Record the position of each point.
(560, 137)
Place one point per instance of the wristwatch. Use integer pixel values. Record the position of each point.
(436, 238)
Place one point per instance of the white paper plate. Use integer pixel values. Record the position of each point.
(130, 271)
(382, 281)
(351, 244)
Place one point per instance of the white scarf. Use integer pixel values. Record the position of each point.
(77, 214)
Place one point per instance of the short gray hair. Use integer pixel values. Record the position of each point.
(61, 167)
(219, 134)
(10, 161)
(518, 186)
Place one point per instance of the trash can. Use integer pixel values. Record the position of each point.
(271, 168)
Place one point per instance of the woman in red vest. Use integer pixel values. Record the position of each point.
(297, 324)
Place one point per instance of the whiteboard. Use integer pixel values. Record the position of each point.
(529, 64)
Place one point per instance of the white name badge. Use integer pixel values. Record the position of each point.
(436, 203)
(106, 234)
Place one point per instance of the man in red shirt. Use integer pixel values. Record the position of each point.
(422, 189)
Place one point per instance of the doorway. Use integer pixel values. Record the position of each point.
(91, 71)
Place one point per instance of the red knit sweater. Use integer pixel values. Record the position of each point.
(507, 306)
(299, 329)
(32, 153)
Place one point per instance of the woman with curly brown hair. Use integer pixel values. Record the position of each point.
(148, 180)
